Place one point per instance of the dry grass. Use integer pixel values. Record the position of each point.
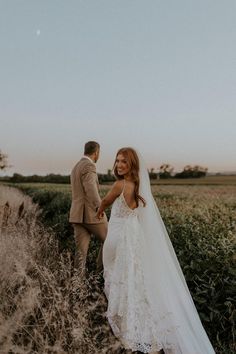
(46, 306)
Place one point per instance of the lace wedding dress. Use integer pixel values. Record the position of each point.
(149, 304)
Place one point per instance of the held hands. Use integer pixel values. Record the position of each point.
(100, 213)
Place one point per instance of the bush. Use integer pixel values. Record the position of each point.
(55, 208)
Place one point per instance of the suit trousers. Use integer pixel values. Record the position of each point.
(82, 235)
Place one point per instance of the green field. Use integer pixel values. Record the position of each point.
(201, 221)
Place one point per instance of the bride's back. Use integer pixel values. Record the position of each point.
(129, 195)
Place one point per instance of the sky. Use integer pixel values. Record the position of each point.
(157, 75)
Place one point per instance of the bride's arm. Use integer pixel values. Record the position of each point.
(110, 197)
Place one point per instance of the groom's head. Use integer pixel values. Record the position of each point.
(92, 149)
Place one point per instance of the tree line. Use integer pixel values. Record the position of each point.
(165, 171)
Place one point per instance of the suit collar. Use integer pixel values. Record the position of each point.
(88, 158)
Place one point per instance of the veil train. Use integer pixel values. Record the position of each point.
(172, 306)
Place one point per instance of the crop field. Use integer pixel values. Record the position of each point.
(208, 180)
(201, 222)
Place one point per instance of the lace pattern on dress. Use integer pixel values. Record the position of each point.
(120, 208)
(129, 312)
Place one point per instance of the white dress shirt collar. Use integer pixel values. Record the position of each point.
(87, 157)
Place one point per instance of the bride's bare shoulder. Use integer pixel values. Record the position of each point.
(115, 191)
(118, 185)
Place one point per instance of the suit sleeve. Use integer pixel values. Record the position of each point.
(89, 181)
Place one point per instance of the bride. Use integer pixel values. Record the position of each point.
(149, 304)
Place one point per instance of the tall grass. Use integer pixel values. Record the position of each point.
(201, 223)
(46, 306)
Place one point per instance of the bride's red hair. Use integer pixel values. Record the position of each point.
(133, 163)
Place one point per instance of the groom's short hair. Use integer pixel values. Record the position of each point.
(90, 147)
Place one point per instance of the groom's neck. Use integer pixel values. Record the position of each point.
(92, 157)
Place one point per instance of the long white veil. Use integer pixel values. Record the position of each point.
(172, 306)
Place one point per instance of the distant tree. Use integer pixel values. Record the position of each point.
(18, 178)
(3, 161)
(152, 173)
(104, 178)
(192, 172)
(166, 171)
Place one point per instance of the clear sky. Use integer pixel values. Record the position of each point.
(159, 75)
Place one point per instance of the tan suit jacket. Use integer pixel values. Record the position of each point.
(85, 193)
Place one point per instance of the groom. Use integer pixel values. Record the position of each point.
(85, 202)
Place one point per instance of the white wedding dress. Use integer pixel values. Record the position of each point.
(149, 304)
